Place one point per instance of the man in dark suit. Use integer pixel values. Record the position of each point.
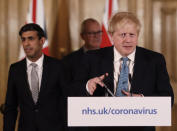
(34, 87)
(147, 74)
(91, 34)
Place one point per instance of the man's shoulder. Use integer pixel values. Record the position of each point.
(19, 63)
(101, 51)
(51, 60)
(147, 51)
(17, 66)
(148, 54)
(75, 54)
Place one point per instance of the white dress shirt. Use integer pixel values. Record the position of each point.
(39, 69)
(117, 67)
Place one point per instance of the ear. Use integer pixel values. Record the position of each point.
(111, 39)
(42, 40)
(111, 34)
(82, 35)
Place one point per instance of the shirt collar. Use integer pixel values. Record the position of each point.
(39, 62)
(118, 56)
(85, 49)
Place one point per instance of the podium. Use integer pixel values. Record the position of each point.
(119, 111)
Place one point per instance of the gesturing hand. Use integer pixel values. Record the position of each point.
(92, 83)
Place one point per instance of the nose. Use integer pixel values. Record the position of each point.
(128, 38)
(25, 42)
(97, 36)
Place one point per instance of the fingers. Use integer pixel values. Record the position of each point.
(131, 94)
(106, 74)
(137, 95)
(92, 83)
(92, 89)
(126, 93)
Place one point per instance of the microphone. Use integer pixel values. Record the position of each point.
(106, 87)
(130, 78)
(110, 92)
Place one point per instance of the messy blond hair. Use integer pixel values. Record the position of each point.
(120, 19)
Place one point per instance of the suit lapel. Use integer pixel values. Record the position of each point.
(44, 76)
(138, 73)
(25, 78)
(107, 66)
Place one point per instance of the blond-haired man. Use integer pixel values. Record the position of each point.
(145, 70)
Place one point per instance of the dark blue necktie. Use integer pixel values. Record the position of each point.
(123, 78)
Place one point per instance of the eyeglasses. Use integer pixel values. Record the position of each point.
(93, 33)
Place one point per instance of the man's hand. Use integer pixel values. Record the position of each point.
(131, 94)
(92, 83)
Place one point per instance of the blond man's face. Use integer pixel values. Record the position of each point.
(125, 38)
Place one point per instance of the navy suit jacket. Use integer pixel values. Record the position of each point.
(150, 76)
(46, 115)
(71, 64)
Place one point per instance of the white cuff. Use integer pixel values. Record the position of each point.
(87, 88)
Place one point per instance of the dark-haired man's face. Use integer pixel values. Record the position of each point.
(32, 45)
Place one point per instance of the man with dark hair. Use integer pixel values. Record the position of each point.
(34, 87)
(33, 27)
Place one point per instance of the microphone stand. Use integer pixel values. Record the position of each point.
(108, 90)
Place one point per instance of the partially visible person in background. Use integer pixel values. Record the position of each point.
(91, 34)
(34, 87)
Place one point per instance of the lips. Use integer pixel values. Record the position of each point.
(127, 47)
(27, 50)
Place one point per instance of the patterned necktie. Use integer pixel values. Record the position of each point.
(34, 83)
(123, 78)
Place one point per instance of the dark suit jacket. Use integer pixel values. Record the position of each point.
(71, 64)
(46, 115)
(150, 76)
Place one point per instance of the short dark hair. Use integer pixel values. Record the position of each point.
(85, 22)
(32, 27)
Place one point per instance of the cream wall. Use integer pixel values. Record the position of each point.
(63, 19)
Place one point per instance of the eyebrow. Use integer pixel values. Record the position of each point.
(27, 37)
